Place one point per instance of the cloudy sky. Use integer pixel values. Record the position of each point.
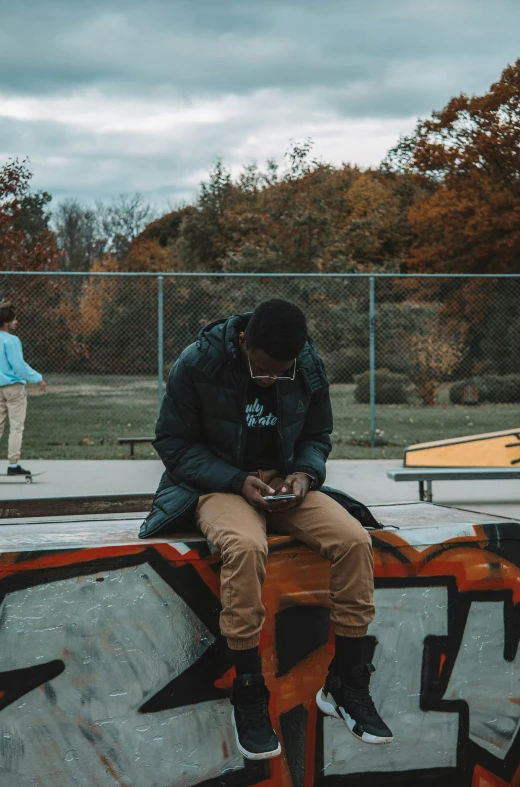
(111, 96)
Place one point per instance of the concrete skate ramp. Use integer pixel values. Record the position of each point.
(493, 449)
(114, 674)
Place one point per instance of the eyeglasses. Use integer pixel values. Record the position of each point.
(272, 376)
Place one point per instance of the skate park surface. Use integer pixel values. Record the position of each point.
(364, 479)
(114, 674)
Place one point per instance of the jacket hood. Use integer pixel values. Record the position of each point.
(222, 335)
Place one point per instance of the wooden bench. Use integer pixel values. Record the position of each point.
(132, 440)
(428, 475)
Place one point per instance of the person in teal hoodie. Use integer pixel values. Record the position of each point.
(15, 373)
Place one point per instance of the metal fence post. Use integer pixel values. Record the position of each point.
(372, 359)
(160, 337)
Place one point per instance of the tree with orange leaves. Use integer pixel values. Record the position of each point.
(146, 254)
(26, 241)
(467, 157)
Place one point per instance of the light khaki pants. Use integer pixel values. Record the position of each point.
(13, 403)
(239, 531)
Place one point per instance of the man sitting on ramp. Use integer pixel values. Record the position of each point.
(247, 416)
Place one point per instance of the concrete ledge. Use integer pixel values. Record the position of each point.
(114, 671)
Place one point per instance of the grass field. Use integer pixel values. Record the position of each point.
(81, 418)
(400, 425)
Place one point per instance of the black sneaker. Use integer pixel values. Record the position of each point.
(351, 701)
(18, 470)
(254, 733)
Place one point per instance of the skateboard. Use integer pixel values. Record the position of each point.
(27, 476)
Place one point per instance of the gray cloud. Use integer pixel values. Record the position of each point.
(334, 62)
(219, 47)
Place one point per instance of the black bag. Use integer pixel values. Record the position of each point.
(356, 509)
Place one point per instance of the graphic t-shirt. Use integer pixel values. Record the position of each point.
(261, 418)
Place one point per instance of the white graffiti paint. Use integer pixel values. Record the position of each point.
(489, 684)
(122, 639)
(405, 616)
(481, 677)
(422, 538)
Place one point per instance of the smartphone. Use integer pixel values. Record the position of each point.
(280, 497)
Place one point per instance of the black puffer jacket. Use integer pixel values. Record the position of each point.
(200, 434)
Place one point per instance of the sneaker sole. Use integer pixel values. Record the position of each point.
(330, 710)
(254, 755)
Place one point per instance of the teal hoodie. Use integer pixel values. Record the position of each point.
(13, 368)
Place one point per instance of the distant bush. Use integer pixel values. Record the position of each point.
(391, 388)
(492, 388)
(344, 364)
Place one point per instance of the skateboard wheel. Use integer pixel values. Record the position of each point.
(28, 479)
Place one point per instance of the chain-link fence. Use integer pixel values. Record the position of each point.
(409, 358)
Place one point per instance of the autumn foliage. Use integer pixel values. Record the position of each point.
(434, 358)
(310, 217)
(467, 159)
(445, 200)
(26, 241)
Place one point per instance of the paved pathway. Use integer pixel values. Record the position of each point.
(365, 480)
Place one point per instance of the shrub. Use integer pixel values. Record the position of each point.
(457, 389)
(492, 388)
(391, 388)
(344, 364)
(503, 389)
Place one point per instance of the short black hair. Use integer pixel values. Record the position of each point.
(7, 313)
(279, 328)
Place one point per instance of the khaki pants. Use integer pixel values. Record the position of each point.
(239, 531)
(13, 403)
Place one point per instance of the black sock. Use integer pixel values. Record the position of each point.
(247, 661)
(349, 653)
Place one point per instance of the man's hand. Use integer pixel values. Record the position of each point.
(253, 490)
(43, 386)
(297, 484)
